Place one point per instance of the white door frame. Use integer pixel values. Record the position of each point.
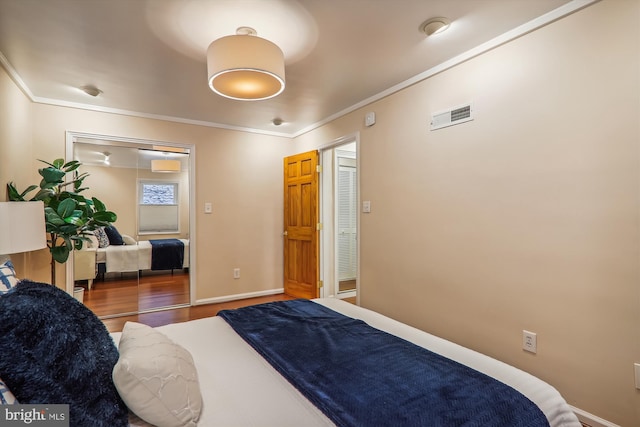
(328, 241)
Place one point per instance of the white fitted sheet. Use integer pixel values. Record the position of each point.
(240, 388)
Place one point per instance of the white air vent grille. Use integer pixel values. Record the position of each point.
(451, 117)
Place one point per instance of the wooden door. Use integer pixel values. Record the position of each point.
(301, 225)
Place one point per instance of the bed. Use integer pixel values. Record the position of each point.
(203, 373)
(135, 257)
(239, 388)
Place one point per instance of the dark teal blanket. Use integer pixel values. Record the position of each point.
(361, 376)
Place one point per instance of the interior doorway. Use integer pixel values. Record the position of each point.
(339, 203)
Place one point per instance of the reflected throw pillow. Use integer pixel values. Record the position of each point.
(8, 277)
(56, 351)
(103, 239)
(114, 236)
(157, 378)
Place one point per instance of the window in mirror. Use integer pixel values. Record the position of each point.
(158, 209)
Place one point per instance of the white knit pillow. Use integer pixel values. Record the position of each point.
(157, 378)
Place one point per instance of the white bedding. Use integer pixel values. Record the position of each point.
(123, 258)
(240, 388)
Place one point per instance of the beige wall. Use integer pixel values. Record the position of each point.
(18, 164)
(239, 173)
(526, 217)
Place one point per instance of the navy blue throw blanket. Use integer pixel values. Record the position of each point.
(361, 376)
(167, 254)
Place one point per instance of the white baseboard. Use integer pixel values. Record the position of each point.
(592, 420)
(239, 296)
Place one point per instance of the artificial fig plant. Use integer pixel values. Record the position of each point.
(70, 217)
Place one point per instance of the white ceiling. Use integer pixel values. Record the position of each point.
(148, 56)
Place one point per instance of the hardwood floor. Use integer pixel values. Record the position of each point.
(127, 293)
(159, 318)
(124, 294)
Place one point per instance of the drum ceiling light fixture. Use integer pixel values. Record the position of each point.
(245, 67)
(165, 166)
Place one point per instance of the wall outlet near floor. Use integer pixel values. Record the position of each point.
(529, 341)
(236, 273)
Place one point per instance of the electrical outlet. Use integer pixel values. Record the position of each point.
(236, 273)
(529, 341)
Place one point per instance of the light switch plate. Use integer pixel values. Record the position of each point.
(529, 341)
(208, 208)
(366, 206)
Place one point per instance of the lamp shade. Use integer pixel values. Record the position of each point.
(245, 67)
(165, 165)
(22, 227)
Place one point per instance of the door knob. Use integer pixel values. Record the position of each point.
(285, 233)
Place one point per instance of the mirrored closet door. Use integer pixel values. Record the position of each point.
(142, 261)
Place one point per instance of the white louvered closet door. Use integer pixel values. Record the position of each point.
(347, 210)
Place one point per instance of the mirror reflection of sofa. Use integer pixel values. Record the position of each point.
(108, 251)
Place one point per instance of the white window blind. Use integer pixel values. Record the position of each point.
(347, 214)
(158, 210)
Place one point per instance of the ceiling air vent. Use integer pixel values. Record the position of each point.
(451, 117)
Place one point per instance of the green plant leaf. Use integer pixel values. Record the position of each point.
(44, 195)
(57, 163)
(99, 206)
(67, 230)
(51, 175)
(13, 192)
(105, 216)
(60, 253)
(52, 217)
(76, 220)
(66, 207)
(71, 166)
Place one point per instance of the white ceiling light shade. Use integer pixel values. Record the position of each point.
(434, 26)
(165, 166)
(245, 67)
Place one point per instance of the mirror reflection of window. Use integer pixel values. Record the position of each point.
(158, 208)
